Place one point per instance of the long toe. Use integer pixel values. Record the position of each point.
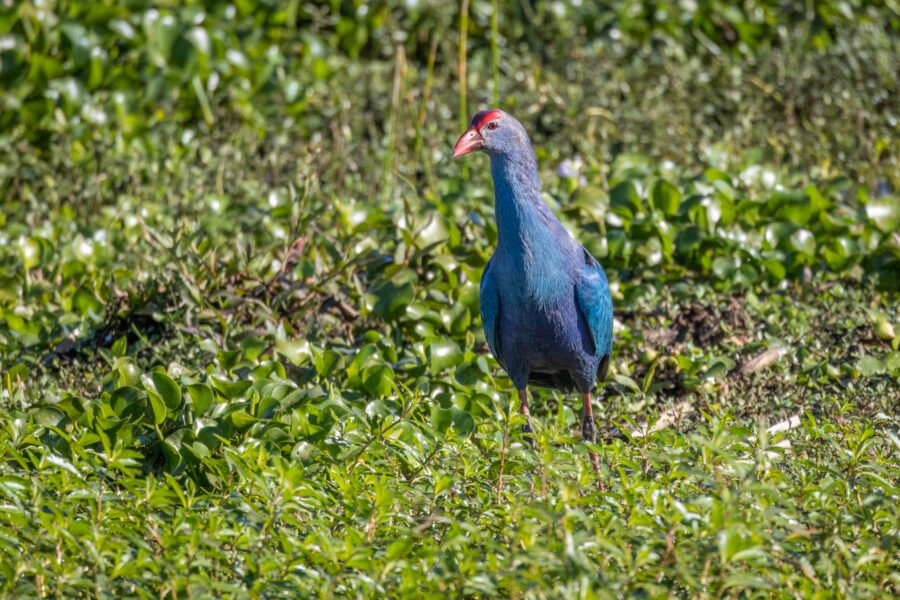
(588, 433)
(527, 432)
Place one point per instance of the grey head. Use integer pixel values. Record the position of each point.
(496, 133)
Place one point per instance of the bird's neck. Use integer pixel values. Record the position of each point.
(531, 243)
(517, 199)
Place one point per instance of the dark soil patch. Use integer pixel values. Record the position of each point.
(132, 325)
(701, 324)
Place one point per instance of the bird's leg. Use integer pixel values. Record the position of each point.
(589, 434)
(523, 408)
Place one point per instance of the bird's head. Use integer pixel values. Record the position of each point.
(494, 132)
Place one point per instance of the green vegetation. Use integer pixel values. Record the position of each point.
(240, 345)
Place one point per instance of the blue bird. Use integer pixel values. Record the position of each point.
(545, 301)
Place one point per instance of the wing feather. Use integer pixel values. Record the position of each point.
(595, 304)
(490, 310)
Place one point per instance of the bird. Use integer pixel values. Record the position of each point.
(545, 302)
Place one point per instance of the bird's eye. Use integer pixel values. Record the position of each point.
(492, 125)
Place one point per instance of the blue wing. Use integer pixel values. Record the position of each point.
(595, 304)
(490, 309)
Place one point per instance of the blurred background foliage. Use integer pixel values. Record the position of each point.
(239, 322)
(812, 83)
(751, 141)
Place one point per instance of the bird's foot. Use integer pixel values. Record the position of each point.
(527, 432)
(588, 431)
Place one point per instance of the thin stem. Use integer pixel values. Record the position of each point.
(463, 64)
(423, 111)
(503, 455)
(399, 68)
(495, 50)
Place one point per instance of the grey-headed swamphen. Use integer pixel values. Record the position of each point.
(545, 300)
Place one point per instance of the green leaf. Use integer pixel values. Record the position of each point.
(129, 373)
(885, 213)
(241, 419)
(441, 418)
(378, 380)
(267, 407)
(804, 242)
(628, 382)
(648, 378)
(719, 367)
(31, 251)
(794, 207)
(85, 302)
(203, 100)
(624, 199)
(167, 389)
(462, 421)
(869, 365)
(666, 197)
(18, 372)
(399, 549)
(229, 359)
(443, 354)
(201, 397)
(120, 346)
(156, 407)
(724, 267)
(892, 362)
(124, 397)
(326, 361)
(231, 390)
(47, 416)
(297, 352)
(393, 300)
